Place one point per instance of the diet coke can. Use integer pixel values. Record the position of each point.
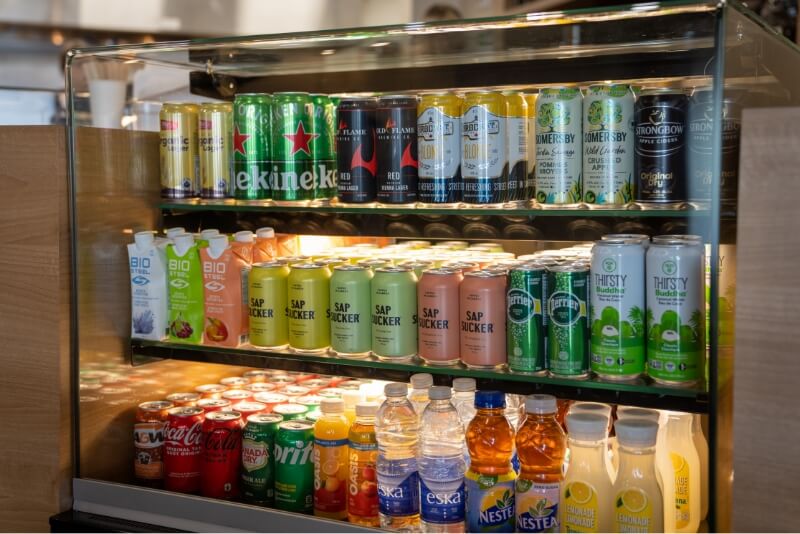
(182, 449)
(222, 454)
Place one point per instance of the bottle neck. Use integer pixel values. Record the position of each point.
(587, 455)
(679, 427)
(636, 461)
(365, 420)
(491, 412)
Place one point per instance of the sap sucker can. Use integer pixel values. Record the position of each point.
(659, 118)
(355, 148)
(618, 309)
(308, 299)
(351, 328)
(252, 139)
(258, 459)
(484, 153)
(439, 149)
(437, 315)
(294, 467)
(482, 314)
(394, 313)
(215, 131)
(178, 150)
(293, 178)
(567, 320)
(525, 330)
(516, 146)
(608, 145)
(323, 153)
(676, 303)
(267, 288)
(559, 157)
(530, 181)
(396, 128)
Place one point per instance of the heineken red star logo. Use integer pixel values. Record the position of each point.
(239, 139)
(300, 139)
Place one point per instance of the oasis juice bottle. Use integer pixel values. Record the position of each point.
(362, 492)
(331, 461)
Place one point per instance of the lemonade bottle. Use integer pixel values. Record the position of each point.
(605, 411)
(362, 493)
(489, 483)
(541, 446)
(586, 498)
(701, 445)
(638, 502)
(679, 465)
(331, 471)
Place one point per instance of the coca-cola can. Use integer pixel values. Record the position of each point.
(257, 375)
(211, 391)
(237, 395)
(234, 381)
(222, 454)
(213, 405)
(183, 399)
(258, 387)
(182, 449)
(248, 408)
(148, 441)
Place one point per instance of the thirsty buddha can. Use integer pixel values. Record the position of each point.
(351, 329)
(437, 312)
(267, 288)
(258, 460)
(484, 154)
(396, 128)
(559, 159)
(567, 331)
(482, 314)
(294, 467)
(394, 313)
(308, 299)
(516, 145)
(439, 148)
(525, 329)
(215, 131)
(178, 150)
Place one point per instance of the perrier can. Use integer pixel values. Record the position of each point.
(258, 460)
(525, 329)
(293, 141)
(323, 153)
(251, 146)
(567, 326)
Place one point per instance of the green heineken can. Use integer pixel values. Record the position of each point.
(567, 328)
(323, 125)
(394, 313)
(525, 329)
(294, 467)
(251, 146)
(293, 141)
(351, 332)
(258, 463)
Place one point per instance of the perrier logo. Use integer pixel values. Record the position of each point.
(522, 307)
(565, 308)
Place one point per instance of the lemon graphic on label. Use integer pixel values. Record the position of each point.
(580, 492)
(634, 500)
(677, 461)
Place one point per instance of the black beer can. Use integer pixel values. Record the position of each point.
(659, 117)
(396, 127)
(356, 150)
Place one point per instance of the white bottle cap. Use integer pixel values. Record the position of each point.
(216, 244)
(331, 405)
(540, 404)
(245, 236)
(351, 398)
(144, 239)
(421, 381)
(172, 232)
(439, 393)
(591, 407)
(464, 384)
(636, 432)
(366, 409)
(183, 240)
(587, 426)
(265, 233)
(395, 389)
(628, 412)
(209, 233)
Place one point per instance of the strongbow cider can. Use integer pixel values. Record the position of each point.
(394, 313)
(294, 467)
(293, 142)
(351, 330)
(355, 148)
(251, 146)
(567, 332)
(608, 145)
(215, 130)
(183, 447)
(308, 305)
(396, 127)
(530, 181)
(178, 150)
(483, 148)
(517, 145)
(258, 461)
(222, 454)
(558, 147)
(324, 148)
(267, 291)
(525, 329)
(437, 315)
(439, 148)
(482, 311)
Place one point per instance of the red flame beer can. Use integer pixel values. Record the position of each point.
(182, 449)
(222, 454)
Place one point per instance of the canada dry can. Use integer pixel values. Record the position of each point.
(517, 145)
(439, 148)
(559, 157)
(567, 331)
(482, 314)
(324, 147)
(438, 312)
(396, 127)
(183, 448)
(148, 441)
(178, 150)
(351, 328)
(660, 153)
(355, 147)
(258, 461)
(525, 330)
(484, 152)
(294, 467)
(267, 293)
(676, 304)
(215, 131)
(293, 177)
(394, 313)
(617, 309)
(308, 304)
(608, 145)
(252, 136)
(222, 454)
(530, 182)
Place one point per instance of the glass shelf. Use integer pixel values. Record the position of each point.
(642, 392)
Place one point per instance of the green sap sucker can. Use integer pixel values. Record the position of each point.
(525, 330)
(675, 312)
(351, 329)
(323, 125)
(258, 461)
(267, 289)
(251, 146)
(293, 141)
(394, 313)
(308, 299)
(567, 332)
(617, 309)
(559, 158)
(294, 467)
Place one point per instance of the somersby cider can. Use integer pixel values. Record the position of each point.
(559, 158)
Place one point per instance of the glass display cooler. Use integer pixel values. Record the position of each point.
(717, 57)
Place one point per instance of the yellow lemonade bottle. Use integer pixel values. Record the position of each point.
(331, 461)
(604, 410)
(701, 445)
(679, 465)
(362, 483)
(638, 503)
(586, 495)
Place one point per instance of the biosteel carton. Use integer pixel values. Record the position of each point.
(225, 269)
(185, 285)
(148, 269)
(266, 245)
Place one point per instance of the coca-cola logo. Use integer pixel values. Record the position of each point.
(222, 439)
(186, 436)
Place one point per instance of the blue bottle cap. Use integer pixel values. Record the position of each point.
(490, 399)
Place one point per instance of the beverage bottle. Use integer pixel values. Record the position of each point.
(514, 413)
(420, 384)
(185, 290)
(541, 446)
(170, 233)
(148, 268)
(351, 399)
(266, 245)
(489, 483)
(464, 399)
(331, 471)
(586, 496)
(605, 411)
(638, 502)
(397, 433)
(633, 412)
(362, 495)
(679, 466)
(701, 445)
(442, 465)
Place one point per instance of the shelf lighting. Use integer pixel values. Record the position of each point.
(328, 52)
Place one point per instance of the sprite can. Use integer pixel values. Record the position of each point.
(323, 125)
(294, 467)
(351, 331)
(251, 146)
(293, 141)
(308, 305)
(525, 329)
(567, 332)
(266, 291)
(258, 462)
(559, 159)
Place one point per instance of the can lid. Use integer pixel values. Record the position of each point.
(209, 403)
(269, 264)
(245, 236)
(224, 415)
(591, 407)
(587, 426)
(264, 418)
(464, 384)
(183, 240)
(265, 232)
(349, 267)
(284, 93)
(395, 389)
(634, 412)
(183, 396)
(490, 399)
(308, 265)
(540, 404)
(210, 388)
(661, 91)
(641, 237)
(172, 232)
(421, 380)
(144, 239)
(332, 405)
(155, 406)
(208, 233)
(309, 400)
(366, 409)
(295, 425)
(570, 267)
(683, 237)
(290, 408)
(440, 393)
(269, 397)
(249, 406)
(440, 271)
(185, 411)
(485, 274)
(636, 432)
(393, 269)
(397, 97)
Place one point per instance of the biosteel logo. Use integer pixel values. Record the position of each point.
(186, 436)
(215, 286)
(140, 280)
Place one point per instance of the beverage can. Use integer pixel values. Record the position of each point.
(525, 329)
(394, 313)
(517, 145)
(484, 154)
(324, 148)
(270, 400)
(258, 461)
(559, 159)
(234, 382)
(530, 181)
(183, 437)
(308, 308)
(294, 467)
(439, 148)
(178, 150)
(490, 501)
(293, 178)
(213, 405)
(290, 411)
(351, 330)
(215, 131)
(482, 313)
(567, 316)
(237, 395)
(356, 151)
(438, 312)
(255, 376)
(396, 146)
(183, 399)
(252, 139)
(148, 440)
(211, 391)
(248, 407)
(222, 454)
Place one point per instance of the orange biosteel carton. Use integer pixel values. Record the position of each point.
(225, 269)
(266, 245)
